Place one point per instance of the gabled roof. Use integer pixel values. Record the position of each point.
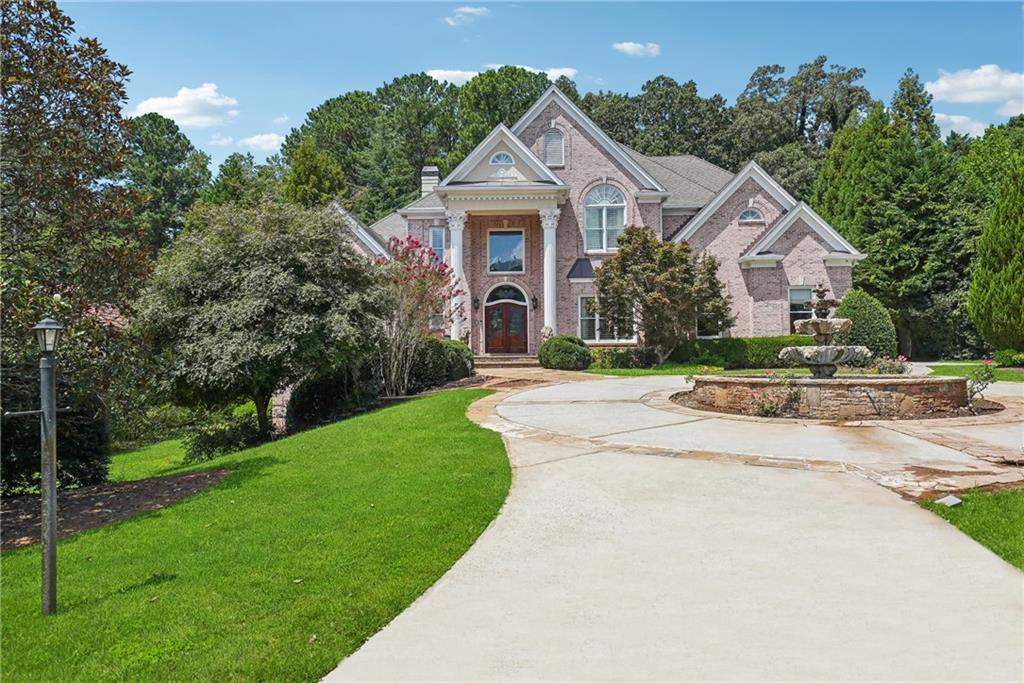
(690, 181)
(841, 249)
(501, 133)
(749, 172)
(360, 232)
(553, 94)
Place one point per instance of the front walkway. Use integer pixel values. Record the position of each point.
(611, 561)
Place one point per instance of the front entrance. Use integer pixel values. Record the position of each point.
(505, 320)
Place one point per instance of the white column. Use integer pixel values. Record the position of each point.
(456, 222)
(549, 222)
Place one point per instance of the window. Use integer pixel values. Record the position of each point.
(604, 218)
(554, 148)
(505, 251)
(437, 243)
(502, 159)
(799, 298)
(590, 324)
(751, 215)
(506, 293)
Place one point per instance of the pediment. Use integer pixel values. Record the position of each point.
(501, 159)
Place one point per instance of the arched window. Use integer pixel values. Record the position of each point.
(554, 148)
(751, 215)
(502, 159)
(604, 218)
(506, 293)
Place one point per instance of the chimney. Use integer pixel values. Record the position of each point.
(430, 176)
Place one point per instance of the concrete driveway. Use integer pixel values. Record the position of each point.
(615, 562)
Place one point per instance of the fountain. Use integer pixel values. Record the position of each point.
(823, 358)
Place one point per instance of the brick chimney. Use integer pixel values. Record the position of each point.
(430, 176)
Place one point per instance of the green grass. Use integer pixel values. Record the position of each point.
(165, 457)
(329, 533)
(996, 520)
(963, 369)
(669, 368)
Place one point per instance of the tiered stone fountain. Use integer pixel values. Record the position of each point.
(823, 358)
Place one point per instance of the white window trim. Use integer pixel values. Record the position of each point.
(789, 304)
(494, 156)
(597, 326)
(437, 231)
(544, 147)
(487, 266)
(605, 249)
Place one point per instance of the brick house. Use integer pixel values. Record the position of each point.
(531, 212)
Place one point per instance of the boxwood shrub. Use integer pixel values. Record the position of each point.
(624, 357)
(740, 352)
(564, 352)
(872, 325)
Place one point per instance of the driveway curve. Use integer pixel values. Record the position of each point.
(611, 561)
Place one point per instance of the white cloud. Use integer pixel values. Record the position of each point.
(988, 83)
(553, 72)
(453, 76)
(219, 140)
(280, 120)
(200, 107)
(264, 142)
(464, 15)
(638, 49)
(961, 124)
(1012, 108)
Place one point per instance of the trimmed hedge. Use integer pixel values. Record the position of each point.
(740, 352)
(872, 325)
(438, 362)
(1008, 358)
(564, 352)
(624, 357)
(460, 359)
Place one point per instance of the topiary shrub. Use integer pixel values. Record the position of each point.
(226, 435)
(872, 325)
(624, 357)
(739, 352)
(564, 352)
(459, 359)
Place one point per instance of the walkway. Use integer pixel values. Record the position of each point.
(611, 561)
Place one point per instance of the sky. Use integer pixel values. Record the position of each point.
(237, 76)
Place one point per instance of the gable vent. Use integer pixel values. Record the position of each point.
(554, 148)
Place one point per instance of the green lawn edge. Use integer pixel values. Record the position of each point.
(995, 519)
(312, 544)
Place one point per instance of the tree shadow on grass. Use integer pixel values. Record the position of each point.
(153, 580)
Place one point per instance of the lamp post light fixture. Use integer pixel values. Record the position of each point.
(48, 333)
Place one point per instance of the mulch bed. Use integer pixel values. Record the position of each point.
(93, 506)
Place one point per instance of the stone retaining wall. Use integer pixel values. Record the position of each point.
(839, 398)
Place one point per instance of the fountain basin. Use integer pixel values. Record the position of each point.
(851, 397)
(822, 360)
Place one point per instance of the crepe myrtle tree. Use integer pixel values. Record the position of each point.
(659, 289)
(252, 298)
(418, 289)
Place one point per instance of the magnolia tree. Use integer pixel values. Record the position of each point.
(419, 290)
(659, 289)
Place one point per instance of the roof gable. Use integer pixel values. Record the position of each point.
(802, 211)
(553, 94)
(749, 172)
(361, 233)
(501, 139)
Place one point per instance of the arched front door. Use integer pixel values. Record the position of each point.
(505, 320)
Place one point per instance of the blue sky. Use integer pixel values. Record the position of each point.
(238, 76)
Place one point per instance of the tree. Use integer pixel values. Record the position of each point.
(167, 173)
(794, 165)
(70, 250)
(996, 297)
(416, 297)
(385, 177)
(419, 114)
(492, 97)
(912, 105)
(674, 119)
(872, 326)
(568, 88)
(314, 178)
(255, 297)
(614, 113)
(241, 180)
(659, 288)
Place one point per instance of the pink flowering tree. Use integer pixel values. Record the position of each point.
(420, 288)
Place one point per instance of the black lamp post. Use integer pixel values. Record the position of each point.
(48, 333)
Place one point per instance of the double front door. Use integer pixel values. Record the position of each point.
(505, 323)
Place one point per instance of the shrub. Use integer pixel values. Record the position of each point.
(872, 325)
(1009, 358)
(318, 400)
(459, 357)
(429, 365)
(739, 352)
(979, 379)
(884, 365)
(225, 435)
(624, 357)
(564, 352)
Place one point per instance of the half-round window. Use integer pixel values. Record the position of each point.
(554, 148)
(506, 293)
(604, 211)
(502, 159)
(751, 215)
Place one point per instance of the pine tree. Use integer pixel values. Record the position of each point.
(996, 297)
(912, 104)
(314, 178)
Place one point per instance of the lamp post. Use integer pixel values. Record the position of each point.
(48, 333)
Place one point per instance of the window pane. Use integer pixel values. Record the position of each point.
(592, 219)
(616, 218)
(613, 238)
(605, 195)
(588, 329)
(437, 243)
(594, 240)
(798, 298)
(506, 292)
(506, 251)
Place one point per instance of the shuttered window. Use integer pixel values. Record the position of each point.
(554, 149)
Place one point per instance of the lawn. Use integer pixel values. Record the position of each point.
(312, 544)
(996, 520)
(156, 460)
(962, 370)
(663, 369)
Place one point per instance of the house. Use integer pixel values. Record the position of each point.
(531, 212)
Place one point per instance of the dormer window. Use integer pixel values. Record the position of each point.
(554, 148)
(751, 215)
(502, 159)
